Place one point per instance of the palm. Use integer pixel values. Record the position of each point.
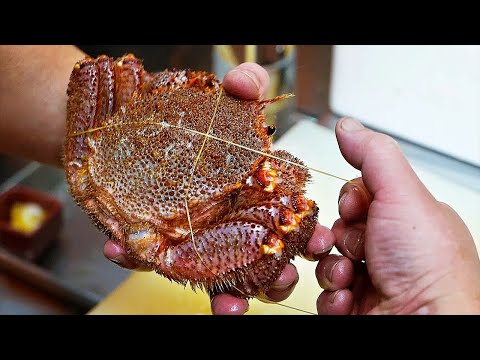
(403, 254)
(394, 267)
(365, 296)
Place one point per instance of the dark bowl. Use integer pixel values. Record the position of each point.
(33, 245)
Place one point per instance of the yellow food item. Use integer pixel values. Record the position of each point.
(26, 217)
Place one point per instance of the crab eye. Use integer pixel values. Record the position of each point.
(271, 130)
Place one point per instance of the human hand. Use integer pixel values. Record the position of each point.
(419, 256)
(248, 81)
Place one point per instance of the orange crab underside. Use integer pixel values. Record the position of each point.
(222, 212)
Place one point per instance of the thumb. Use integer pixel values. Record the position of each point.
(385, 170)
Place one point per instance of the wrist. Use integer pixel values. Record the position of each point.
(33, 100)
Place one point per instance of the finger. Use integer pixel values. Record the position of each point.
(284, 285)
(320, 244)
(226, 304)
(365, 296)
(248, 81)
(380, 160)
(350, 239)
(354, 201)
(115, 253)
(338, 302)
(335, 272)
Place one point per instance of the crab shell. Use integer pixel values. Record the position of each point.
(221, 212)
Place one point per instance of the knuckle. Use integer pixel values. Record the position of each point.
(379, 140)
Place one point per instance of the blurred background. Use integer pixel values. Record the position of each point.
(427, 97)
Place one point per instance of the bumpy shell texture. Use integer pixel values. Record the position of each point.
(210, 211)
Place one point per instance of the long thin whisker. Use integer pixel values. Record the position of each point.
(192, 237)
(190, 184)
(165, 124)
(287, 306)
(272, 156)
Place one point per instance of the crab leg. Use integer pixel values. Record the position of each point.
(97, 88)
(224, 249)
(129, 75)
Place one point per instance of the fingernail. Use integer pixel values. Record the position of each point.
(330, 268)
(119, 260)
(284, 287)
(351, 125)
(333, 296)
(342, 200)
(115, 261)
(317, 255)
(353, 242)
(250, 75)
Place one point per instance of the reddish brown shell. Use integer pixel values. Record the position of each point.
(137, 158)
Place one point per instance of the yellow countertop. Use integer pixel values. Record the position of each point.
(149, 293)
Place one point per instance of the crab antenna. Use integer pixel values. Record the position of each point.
(165, 124)
(191, 179)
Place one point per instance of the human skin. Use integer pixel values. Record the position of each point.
(33, 100)
(403, 252)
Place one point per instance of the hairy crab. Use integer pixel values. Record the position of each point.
(181, 174)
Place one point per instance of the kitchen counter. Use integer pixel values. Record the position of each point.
(73, 275)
